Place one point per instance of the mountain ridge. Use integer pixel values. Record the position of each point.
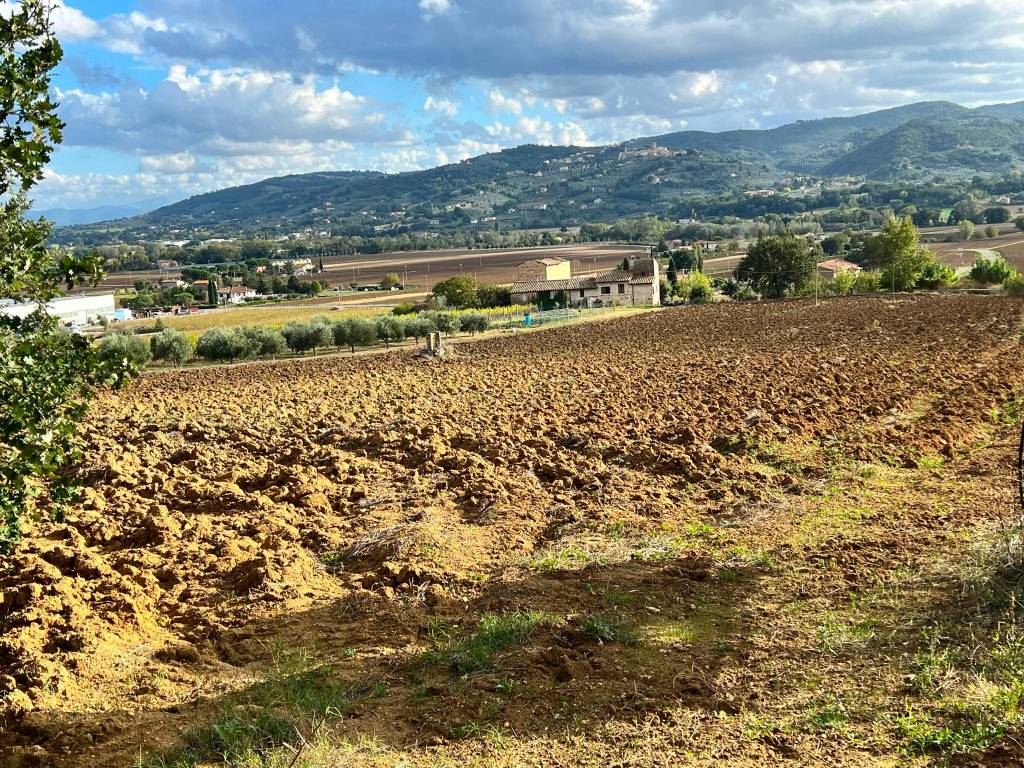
(544, 186)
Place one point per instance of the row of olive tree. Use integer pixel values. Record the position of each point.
(249, 342)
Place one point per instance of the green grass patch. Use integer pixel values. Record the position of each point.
(467, 652)
(610, 629)
(252, 725)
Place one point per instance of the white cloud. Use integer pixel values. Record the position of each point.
(445, 106)
(71, 25)
(179, 162)
(224, 112)
(499, 102)
(431, 8)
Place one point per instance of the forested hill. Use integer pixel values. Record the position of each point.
(553, 186)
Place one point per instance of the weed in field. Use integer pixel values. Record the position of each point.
(568, 559)
(610, 629)
(836, 636)
(471, 652)
(280, 710)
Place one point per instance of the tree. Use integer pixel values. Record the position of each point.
(173, 346)
(778, 263)
(47, 375)
(362, 333)
(263, 341)
(389, 328)
(624, 266)
(897, 252)
(211, 291)
(488, 296)
(966, 229)
(124, 348)
(301, 337)
(417, 327)
(1019, 223)
(219, 344)
(458, 292)
(475, 323)
(390, 280)
(992, 231)
(671, 274)
(997, 215)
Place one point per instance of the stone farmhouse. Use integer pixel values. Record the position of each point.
(544, 280)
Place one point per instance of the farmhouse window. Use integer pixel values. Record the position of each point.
(622, 287)
(582, 293)
(606, 289)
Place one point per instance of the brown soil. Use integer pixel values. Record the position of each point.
(680, 468)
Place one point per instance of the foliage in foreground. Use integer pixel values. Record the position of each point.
(47, 375)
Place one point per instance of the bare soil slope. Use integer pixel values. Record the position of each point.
(691, 536)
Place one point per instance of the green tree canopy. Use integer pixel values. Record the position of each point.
(778, 264)
(458, 292)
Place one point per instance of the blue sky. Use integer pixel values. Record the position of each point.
(168, 98)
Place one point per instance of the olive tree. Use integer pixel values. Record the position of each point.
(263, 341)
(362, 333)
(173, 346)
(47, 375)
(389, 328)
(220, 344)
(124, 348)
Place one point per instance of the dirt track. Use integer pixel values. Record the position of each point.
(346, 504)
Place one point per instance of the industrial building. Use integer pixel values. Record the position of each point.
(72, 311)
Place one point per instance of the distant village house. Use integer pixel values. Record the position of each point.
(550, 280)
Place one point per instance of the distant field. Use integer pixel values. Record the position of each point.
(272, 315)
(426, 268)
(1010, 245)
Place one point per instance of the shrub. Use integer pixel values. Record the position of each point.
(389, 328)
(220, 344)
(408, 308)
(842, 284)
(263, 341)
(126, 347)
(936, 275)
(695, 287)
(867, 282)
(990, 271)
(173, 346)
(1014, 284)
(745, 292)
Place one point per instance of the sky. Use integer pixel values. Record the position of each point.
(164, 99)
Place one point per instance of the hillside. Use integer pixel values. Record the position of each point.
(976, 144)
(551, 186)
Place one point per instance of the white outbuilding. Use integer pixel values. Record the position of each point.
(71, 310)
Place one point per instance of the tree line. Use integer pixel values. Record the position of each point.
(251, 342)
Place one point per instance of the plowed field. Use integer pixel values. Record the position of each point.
(722, 535)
